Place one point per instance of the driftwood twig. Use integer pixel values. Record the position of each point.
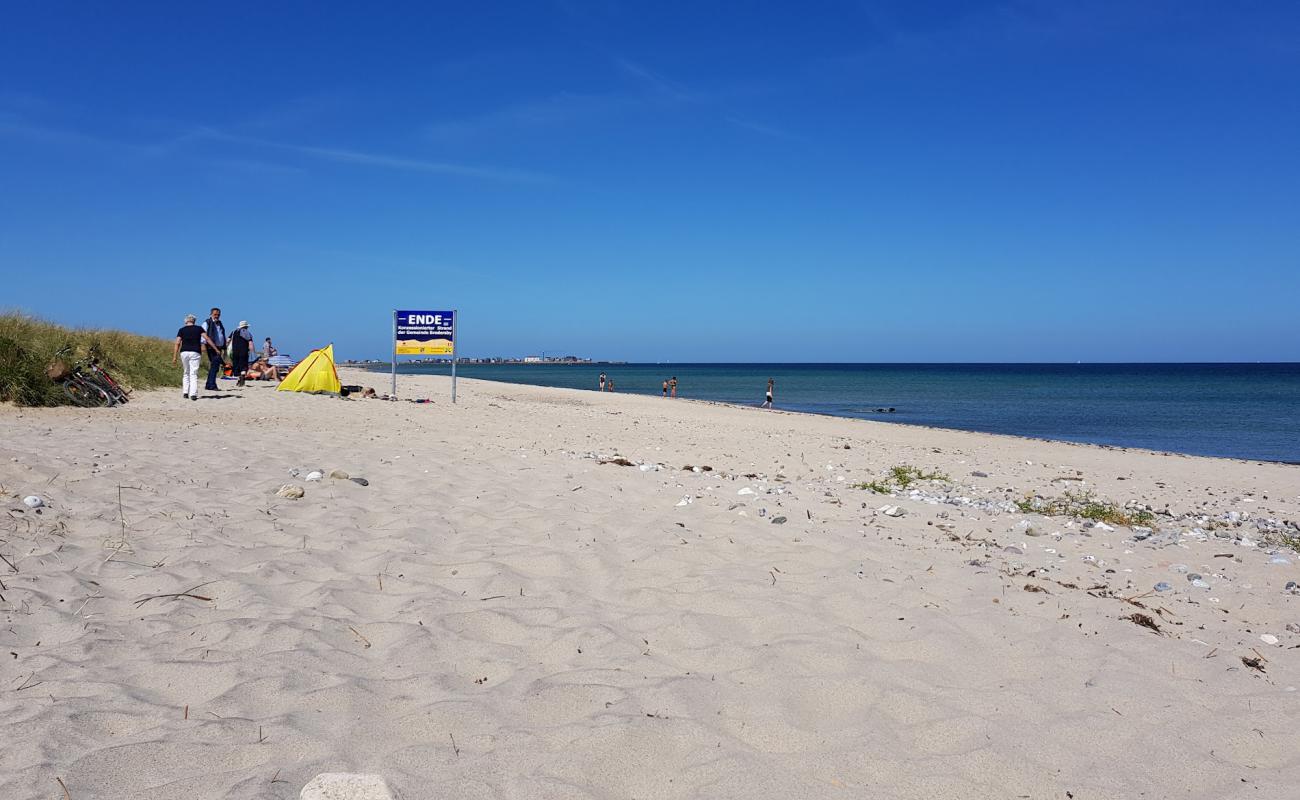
(176, 595)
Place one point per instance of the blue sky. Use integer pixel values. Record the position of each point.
(831, 181)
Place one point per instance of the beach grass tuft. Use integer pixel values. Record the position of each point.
(900, 477)
(1085, 505)
(29, 345)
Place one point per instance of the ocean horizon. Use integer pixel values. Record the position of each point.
(1232, 410)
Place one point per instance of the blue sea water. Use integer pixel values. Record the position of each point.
(1249, 411)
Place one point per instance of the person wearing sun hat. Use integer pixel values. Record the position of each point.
(241, 345)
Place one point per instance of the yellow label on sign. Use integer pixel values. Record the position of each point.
(424, 347)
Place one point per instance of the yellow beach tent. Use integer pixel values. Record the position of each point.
(315, 374)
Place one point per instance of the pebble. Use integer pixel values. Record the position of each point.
(978, 474)
(32, 501)
(891, 511)
(290, 491)
(1279, 560)
(1268, 638)
(1193, 576)
(1292, 587)
(685, 501)
(1013, 550)
(745, 490)
(1292, 627)
(360, 481)
(1200, 584)
(1179, 567)
(338, 475)
(778, 520)
(315, 475)
(1163, 587)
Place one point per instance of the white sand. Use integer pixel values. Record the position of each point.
(498, 615)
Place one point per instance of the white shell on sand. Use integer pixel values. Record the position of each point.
(32, 501)
(346, 786)
(315, 475)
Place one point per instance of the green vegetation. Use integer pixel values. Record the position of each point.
(29, 345)
(1086, 506)
(900, 477)
(1284, 540)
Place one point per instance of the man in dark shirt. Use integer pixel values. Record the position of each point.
(216, 333)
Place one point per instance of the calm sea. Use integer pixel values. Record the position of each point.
(1237, 410)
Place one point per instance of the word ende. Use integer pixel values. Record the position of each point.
(424, 333)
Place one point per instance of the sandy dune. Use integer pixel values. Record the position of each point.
(498, 614)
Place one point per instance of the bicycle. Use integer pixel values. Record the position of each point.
(99, 376)
(78, 388)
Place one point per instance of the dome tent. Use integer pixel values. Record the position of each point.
(315, 374)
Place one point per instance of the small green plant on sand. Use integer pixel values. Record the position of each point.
(1085, 505)
(900, 477)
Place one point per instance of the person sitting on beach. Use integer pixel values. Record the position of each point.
(259, 370)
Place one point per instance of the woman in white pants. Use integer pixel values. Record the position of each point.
(189, 345)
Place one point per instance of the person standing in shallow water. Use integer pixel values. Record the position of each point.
(672, 386)
(665, 388)
(771, 386)
(601, 382)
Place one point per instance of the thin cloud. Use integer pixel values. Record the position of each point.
(343, 156)
(656, 82)
(176, 145)
(756, 127)
(556, 111)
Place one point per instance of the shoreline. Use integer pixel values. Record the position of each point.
(827, 415)
(504, 609)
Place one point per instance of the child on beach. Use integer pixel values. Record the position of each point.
(665, 388)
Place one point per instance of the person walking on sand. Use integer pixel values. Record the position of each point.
(241, 347)
(672, 386)
(216, 333)
(771, 385)
(665, 388)
(190, 341)
(601, 382)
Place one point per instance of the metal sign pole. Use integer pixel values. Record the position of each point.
(393, 393)
(455, 315)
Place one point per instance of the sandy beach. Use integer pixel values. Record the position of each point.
(548, 593)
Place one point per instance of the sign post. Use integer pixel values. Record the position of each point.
(431, 333)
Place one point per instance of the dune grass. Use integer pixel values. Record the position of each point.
(28, 345)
